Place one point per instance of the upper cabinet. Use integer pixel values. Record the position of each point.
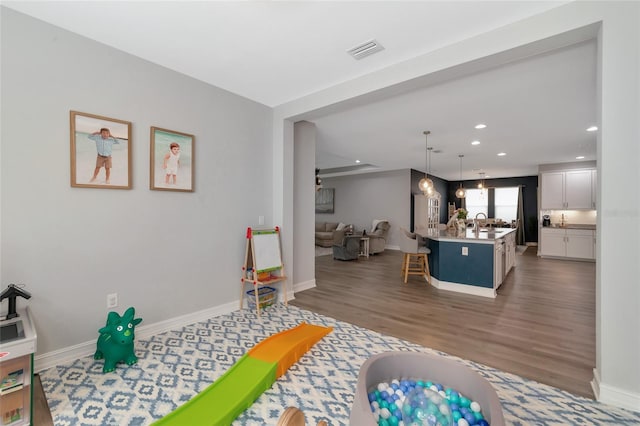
(568, 190)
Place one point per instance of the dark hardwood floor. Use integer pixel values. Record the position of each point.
(541, 326)
(41, 412)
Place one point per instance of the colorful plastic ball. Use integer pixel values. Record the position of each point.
(482, 422)
(426, 408)
(385, 413)
(470, 418)
(475, 406)
(464, 401)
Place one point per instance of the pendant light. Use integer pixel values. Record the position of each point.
(426, 185)
(460, 192)
(481, 184)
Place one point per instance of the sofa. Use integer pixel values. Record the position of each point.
(330, 233)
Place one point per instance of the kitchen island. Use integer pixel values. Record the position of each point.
(472, 262)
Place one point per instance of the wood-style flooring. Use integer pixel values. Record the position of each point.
(541, 326)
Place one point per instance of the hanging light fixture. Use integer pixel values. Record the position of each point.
(481, 185)
(460, 192)
(426, 185)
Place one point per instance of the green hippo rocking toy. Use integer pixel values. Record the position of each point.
(115, 343)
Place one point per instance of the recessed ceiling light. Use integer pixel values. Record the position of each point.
(580, 157)
(475, 143)
(502, 154)
(357, 161)
(592, 129)
(480, 126)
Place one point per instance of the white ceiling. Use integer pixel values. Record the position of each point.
(536, 110)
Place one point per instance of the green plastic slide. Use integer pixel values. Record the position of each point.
(223, 400)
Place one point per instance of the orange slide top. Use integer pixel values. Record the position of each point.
(286, 347)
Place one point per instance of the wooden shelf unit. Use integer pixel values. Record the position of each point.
(16, 399)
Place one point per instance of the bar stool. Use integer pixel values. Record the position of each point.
(415, 259)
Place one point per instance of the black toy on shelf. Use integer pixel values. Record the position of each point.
(11, 293)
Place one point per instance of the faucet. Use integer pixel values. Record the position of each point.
(475, 221)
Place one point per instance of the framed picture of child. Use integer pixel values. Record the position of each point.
(171, 160)
(100, 151)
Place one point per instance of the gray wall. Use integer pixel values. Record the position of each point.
(166, 253)
(303, 264)
(359, 199)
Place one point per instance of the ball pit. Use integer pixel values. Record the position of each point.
(465, 397)
(422, 403)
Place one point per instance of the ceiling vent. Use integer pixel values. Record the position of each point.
(365, 49)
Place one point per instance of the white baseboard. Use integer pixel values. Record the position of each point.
(305, 285)
(463, 288)
(81, 350)
(614, 396)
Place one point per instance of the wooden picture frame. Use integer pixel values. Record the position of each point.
(171, 166)
(100, 151)
(324, 200)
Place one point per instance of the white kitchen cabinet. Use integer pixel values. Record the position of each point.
(510, 253)
(580, 244)
(577, 189)
(552, 242)
(552, 190)
(567, 190)
(498, 263)
(570, 243)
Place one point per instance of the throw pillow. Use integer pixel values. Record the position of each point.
(375, 223)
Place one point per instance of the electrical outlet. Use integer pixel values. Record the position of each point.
(465, 251)
(112, 300)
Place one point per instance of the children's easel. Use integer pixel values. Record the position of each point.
(262, 263)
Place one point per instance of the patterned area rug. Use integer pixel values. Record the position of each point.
(174, 366)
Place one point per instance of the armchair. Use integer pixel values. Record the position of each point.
(348, 248)
(378, 236)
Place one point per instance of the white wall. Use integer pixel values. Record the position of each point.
(166, 253)
(359, 199)
(617, 373)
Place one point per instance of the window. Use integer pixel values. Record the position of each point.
(477, 201)
(506, 203)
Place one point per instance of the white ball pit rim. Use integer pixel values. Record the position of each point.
(387, 366)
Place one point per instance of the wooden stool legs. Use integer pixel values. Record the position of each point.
(415, 264)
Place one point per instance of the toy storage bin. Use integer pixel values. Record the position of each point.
(267, 296)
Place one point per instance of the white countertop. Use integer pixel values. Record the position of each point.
(488, 236)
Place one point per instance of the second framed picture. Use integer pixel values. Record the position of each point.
(172, 155)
